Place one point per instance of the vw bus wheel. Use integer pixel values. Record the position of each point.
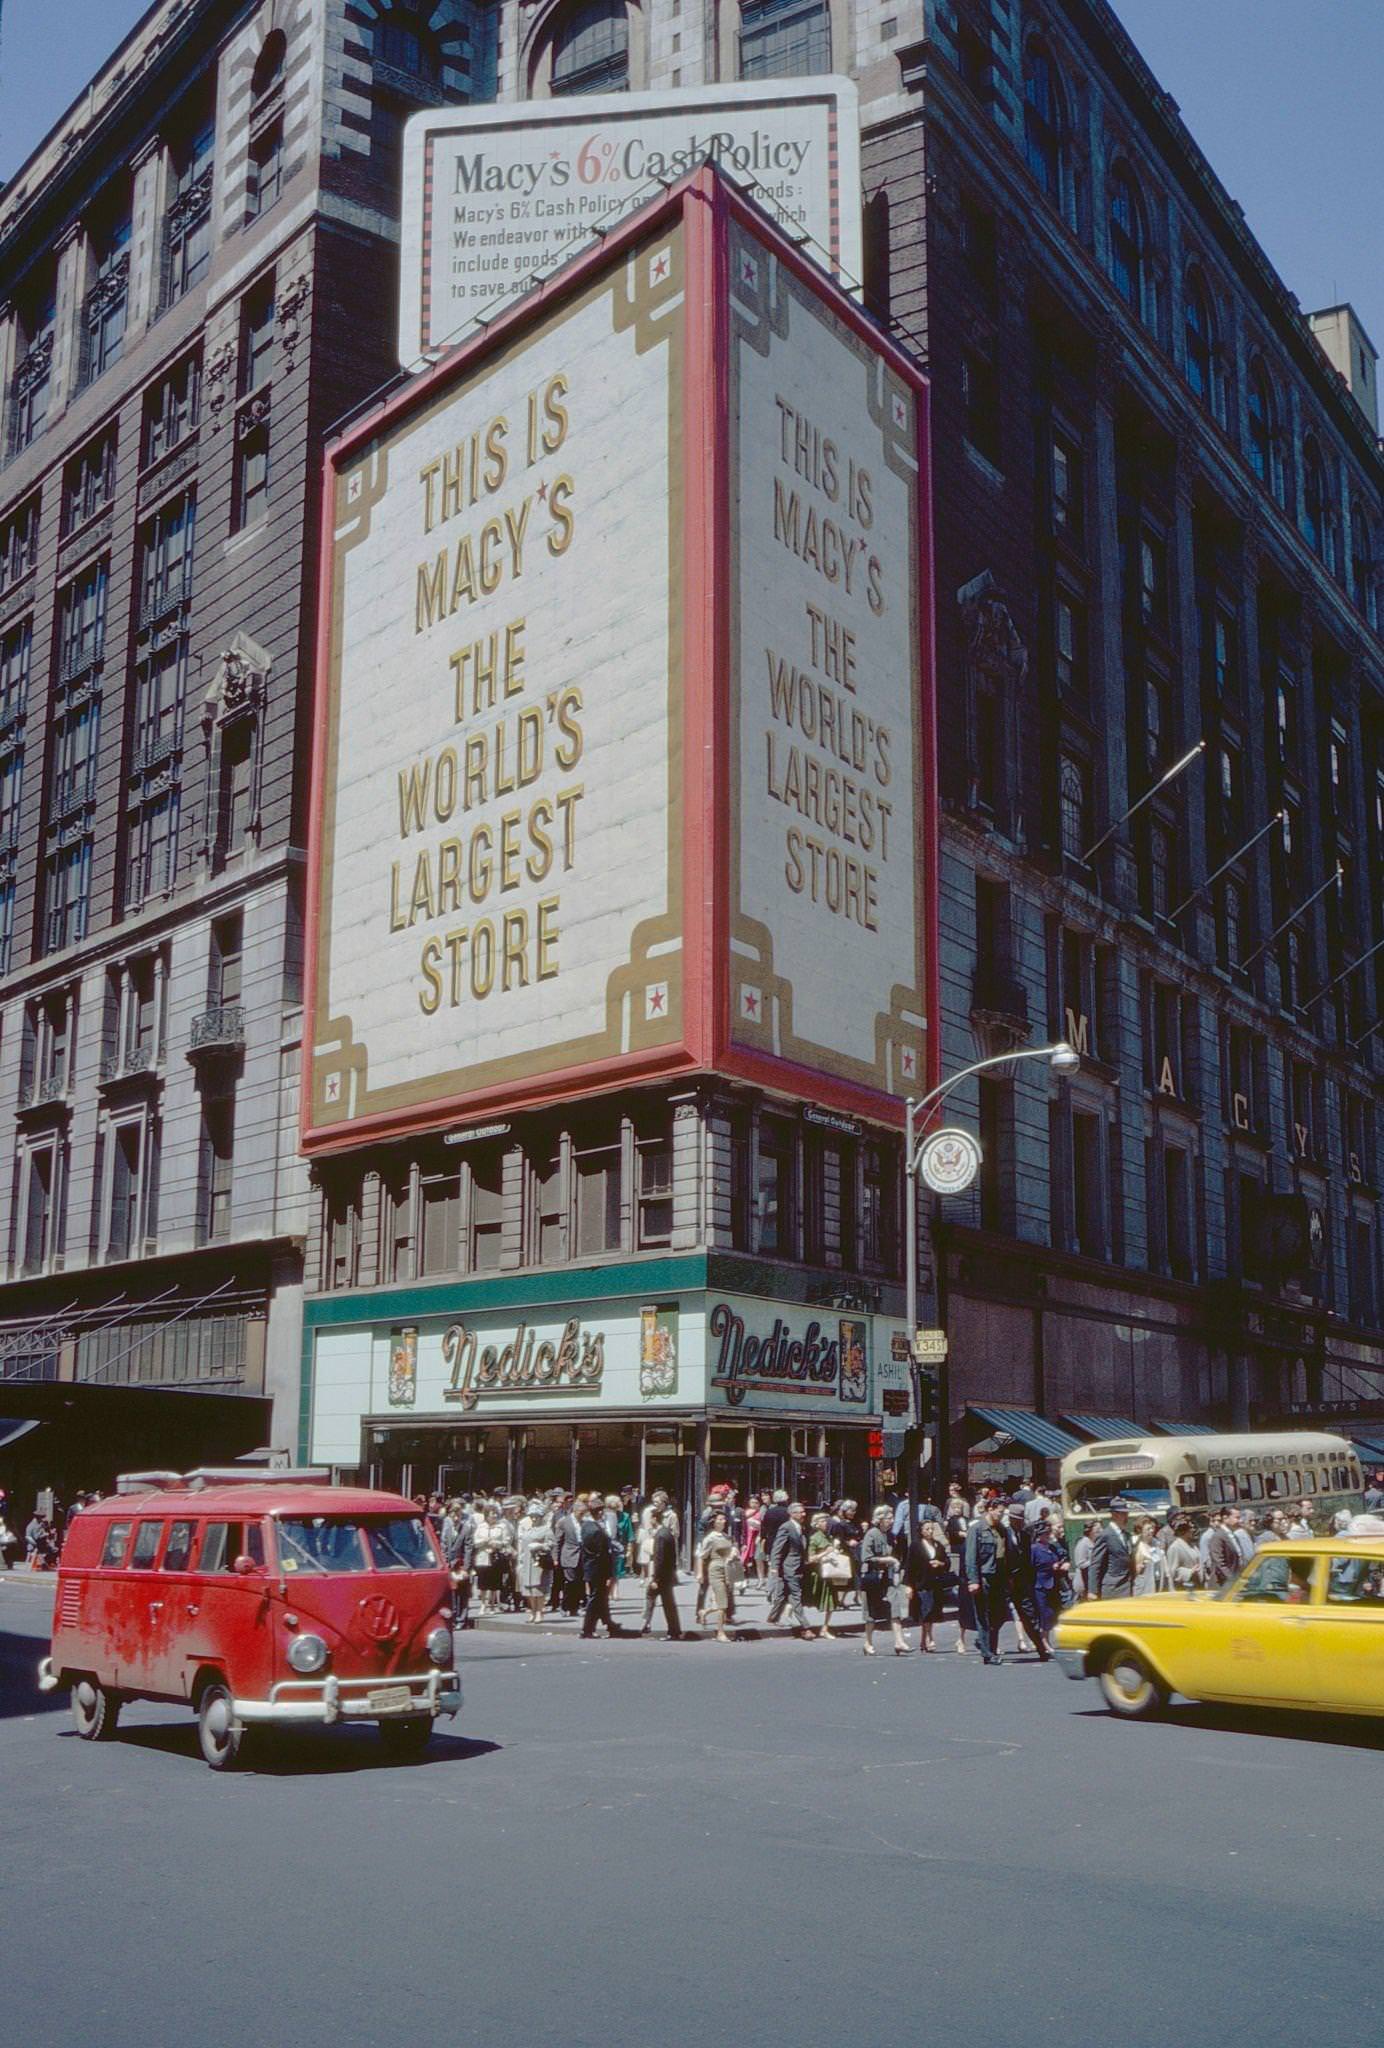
(407, 1738)
(1130, 1688)
(95, 1710)
(219, 1734)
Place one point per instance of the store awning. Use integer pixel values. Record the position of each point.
(1369, 1449)
(1185, 1428)
(12, 1428)
(1102, 1428)
(1035, 1432)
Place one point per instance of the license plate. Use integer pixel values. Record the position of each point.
(389, 1699)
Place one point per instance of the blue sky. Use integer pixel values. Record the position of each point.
(1283, 95)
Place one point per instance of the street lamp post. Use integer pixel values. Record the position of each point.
(1063, 1059)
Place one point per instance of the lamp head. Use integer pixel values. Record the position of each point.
(1064, 1059)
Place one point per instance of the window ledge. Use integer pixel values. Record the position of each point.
(985, 466)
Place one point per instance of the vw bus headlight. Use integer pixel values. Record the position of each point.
(307, 1653)
(440, 1646)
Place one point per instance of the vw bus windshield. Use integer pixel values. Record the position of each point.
(400, 1543)
(320, 1543)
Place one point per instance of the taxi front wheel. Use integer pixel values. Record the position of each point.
(219, 1734)
(95, 1710)
(1130, 1687)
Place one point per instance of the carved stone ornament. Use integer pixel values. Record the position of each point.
(220, 364)
(252, 412)
(994, 646)
(292, 303)
(238, 681)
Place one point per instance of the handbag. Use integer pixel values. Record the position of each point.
(735, 1569)
(834, 1567)
(900, 1602)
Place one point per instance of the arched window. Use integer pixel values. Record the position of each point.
(406, 44)
(1073, 806)
(1199, 340)
(1265, 451)
(1362, 564)
(269, 67)
(591, 49)
(1045, 124)
(1313, 497)
(1127, 241)
(785, 38)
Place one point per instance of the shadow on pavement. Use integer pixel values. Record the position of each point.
(19, 1693)
(288, 1753)
(1336, 1731)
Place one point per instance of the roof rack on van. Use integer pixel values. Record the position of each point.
(148, 1482)
(222, 1475)
(257, 1475)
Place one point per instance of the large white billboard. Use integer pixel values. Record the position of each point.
(496, 195)
(497, 871)
(828, 902)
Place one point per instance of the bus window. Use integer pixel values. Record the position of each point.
(146, 1546)
(177, 1552)
(117, 1539)
(1252, 1486)
(1276, 1485)
(1224, 1490)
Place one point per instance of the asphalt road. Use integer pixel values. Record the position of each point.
(642, 1843)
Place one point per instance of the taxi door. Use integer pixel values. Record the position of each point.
(1347, 1632)
(1255, 1642)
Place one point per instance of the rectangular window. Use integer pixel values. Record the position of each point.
(6, 926)
(980, 397)
(251, 477)
(440, 1192)
(741, 1203)
(598, 1191)
(653, 1158)
(775, 1190)
(1074, 800)
(1088, 1204)
(67, 896)
(879, 1207)
(1153, 582)
(160, 684)
(88, 481)
(82, 621)
(340, 1205)
(177, 1552)
(235, 787)
(19, 543)
(33, 378)
(1066, 504)
(187, 222)
(116, 1544)
(256, 336)
(545, 1169)
(75, 738)
(997, 1207)
(166, 557)
(785, 38)
(218, 1161)
(266, 170)
(487, 1171)
(1177, 1210)
(126, 1160)
(16, 650)
(153, 850)
(227, 942)
(104, 312)
(1069, 646)
(171, 408)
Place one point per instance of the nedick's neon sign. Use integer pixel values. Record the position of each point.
(526, 1365)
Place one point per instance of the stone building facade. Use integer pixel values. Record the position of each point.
(1158, 534)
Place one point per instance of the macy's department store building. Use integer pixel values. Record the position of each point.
(520, 1384)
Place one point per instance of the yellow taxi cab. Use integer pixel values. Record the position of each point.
(1302, 1626)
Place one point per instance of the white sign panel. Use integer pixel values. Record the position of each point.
(497, 861)
(827, 902)
(495, 195)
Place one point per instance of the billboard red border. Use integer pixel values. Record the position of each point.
(706, 202)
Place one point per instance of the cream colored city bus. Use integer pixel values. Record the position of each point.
(1190, 1475)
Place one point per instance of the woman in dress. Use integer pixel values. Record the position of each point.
(924, 1571)
(749, 1548)
(844, 1528)
(1150, 1570)
(487, 1571)
(535, 1565)
(821, 1592)
(877, 1568)
(714, 1590)
(1050, 1568)
(1184, 1559)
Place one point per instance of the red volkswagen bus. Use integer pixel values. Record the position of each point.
(260, 1599)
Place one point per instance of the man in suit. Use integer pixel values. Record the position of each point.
(567, 1560)
(597, 1569)
(1110, 1574)
(991, 1576)
(663, 1576)
(786, 1564)
(1223, 1559)
(772, 1520)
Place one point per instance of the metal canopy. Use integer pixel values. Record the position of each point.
(1102, 1428)
(1035, 1432)
(1185, 1428)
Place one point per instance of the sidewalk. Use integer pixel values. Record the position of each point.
(750, 1624)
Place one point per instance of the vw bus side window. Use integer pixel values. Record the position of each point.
(177, 1552)
(146, 1546)
(116, 1544)
(401, 1543)
(320, 1543)
(224, 1542)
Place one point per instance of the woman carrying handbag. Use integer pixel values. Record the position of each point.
(878, 1566)
(831, 1571)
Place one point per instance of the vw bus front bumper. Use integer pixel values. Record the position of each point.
(332, 1699)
